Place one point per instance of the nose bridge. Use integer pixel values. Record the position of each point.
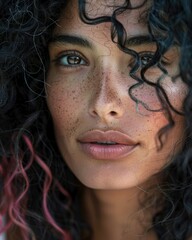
(106, 100)
(108, 87)
(108, 76)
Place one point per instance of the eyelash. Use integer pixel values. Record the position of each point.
(65, 55)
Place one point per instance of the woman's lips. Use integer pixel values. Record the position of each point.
(109, 145)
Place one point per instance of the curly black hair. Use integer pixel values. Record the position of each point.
(37, 197)
(174, 221)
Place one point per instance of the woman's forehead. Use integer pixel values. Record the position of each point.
(102, 7)
(131, 19)
(116, 3)
(107, 7)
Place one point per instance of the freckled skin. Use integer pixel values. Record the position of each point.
(95, 96)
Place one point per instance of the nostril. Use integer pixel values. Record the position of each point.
(113, 113)
(95, 112)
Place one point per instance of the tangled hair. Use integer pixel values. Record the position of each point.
(37, 197)
(174, 221)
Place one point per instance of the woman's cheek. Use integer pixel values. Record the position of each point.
(176, 91)
(66, 103)
(146, 99)
(149, 98)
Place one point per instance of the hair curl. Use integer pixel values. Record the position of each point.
(36, 196)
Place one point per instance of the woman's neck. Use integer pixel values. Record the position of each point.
(119, 214)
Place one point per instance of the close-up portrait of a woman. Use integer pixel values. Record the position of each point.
(95, 120)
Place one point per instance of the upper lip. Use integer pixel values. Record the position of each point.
(106, 136)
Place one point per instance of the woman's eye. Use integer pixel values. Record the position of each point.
(70, 60)
(145, 59)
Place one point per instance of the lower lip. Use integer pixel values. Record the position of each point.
(107, 152)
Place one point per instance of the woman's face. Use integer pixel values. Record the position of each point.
(107, 140)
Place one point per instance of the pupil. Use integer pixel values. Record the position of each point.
(74, 60)
(145, 60)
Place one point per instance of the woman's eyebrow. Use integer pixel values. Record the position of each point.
(139, 40)
(71, 39)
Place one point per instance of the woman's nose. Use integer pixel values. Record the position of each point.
(106, 100)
